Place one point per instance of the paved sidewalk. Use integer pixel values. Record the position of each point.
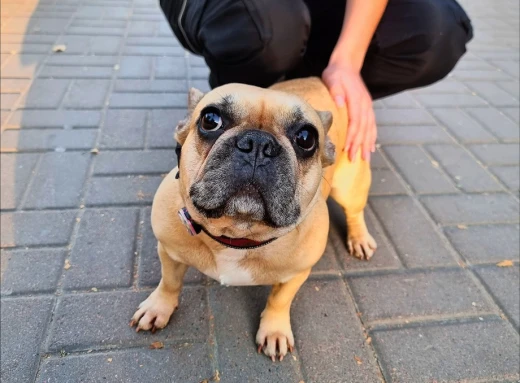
(78, 253)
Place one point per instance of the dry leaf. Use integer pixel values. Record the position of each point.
(156, 345)
(67, 264)
(435, 164)
(317, 288)
(462, 227)
(358, 360)
(505, 263)
(109, 360)
(204, 381)
(94, 289)
(59, 48)
(216, 377)
(94, 151)
(368, 340)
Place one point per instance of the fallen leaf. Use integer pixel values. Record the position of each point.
(216, 377)
(358, 360)
(67, 264)
(109, 360)
(140, 195)
(59, 48)
(82, 206)
(435, 164)
(369, 340)
(462, 227)
(156, 345)
(204, 381)
(317, 288)
(505, 263)
(94, 151)
(94, 289)
(78, 219)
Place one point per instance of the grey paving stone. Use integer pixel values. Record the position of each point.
(327, 263)
(403, 297)
(492, 93)
(202, 85)
(403, 117)
(44, 94)
(102, 45)
(122, 190)
(377, 161)
(508, 66)
(482, 350)
(24, 65)
(36, 228)
(411, 134)
(15, 172)
(512, 87)
(481, 75)
(135, 67)
(453, 100)
(58, 180)
(54, 119)
(124, 129)
(87, 94)
(487, 243)
(23, 324)
(171, 67)
(475, 208)
(162, 127)
(151, 86)
(462, 125)
(509, 175)
(150, 50)
(385, 182)
(37, 139)
(141, 28)
(73, 72)
(199, 72)
(140, 365)
(135, 162)
(401, 100)
(106, 31)
(503, 283)
(103, 251)
(325, 323)
(383, 258)
(447, 85)
(83, 60)
(148, 100)
(497, 154)
(465, 172)
(410, 232)
(149, 263)
(31, 271)
(512, 113)
(496, 122)
(419, 170)
(236, 313)
(100, 321)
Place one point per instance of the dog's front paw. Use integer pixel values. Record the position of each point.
(154, 312)
(275, 337)
(361, 245)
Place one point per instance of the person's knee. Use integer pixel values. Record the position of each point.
(250, 43)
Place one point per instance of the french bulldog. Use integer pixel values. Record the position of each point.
(247, 203)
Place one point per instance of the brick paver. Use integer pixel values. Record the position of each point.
(78, 253)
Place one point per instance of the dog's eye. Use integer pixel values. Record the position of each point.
(211, 120)
(305, 138)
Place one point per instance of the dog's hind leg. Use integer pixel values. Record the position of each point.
(350, 187)
(155, 312)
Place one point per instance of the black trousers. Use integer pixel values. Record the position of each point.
(260, 42)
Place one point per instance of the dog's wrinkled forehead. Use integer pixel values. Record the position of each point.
(258, 108)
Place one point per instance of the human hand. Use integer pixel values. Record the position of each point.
(347, 88)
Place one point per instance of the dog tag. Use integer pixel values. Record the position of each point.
(186, 220)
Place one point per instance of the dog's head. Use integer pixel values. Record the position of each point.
(252, 159)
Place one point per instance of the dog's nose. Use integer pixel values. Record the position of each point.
(258, 143)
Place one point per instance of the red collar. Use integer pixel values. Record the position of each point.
(235, 243)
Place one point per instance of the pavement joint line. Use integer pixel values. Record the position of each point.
(212, 337)
(138, 247)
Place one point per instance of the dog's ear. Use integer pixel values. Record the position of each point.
(182, 129)
(326, 119)
(329, 153)
(329, 150)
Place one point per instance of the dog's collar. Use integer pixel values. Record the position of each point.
(235, 243)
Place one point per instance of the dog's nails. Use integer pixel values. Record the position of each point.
(154, 329)
(291, 348)
(131, 324)
(259, 348)
(281, 358)
(273, 358)
(137, 329)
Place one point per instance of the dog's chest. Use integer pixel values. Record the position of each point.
(228, 270)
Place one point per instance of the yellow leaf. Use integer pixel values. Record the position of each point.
(505, 263)
(59, 48)
(358, 360)
(156, 345)
(67, 264)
